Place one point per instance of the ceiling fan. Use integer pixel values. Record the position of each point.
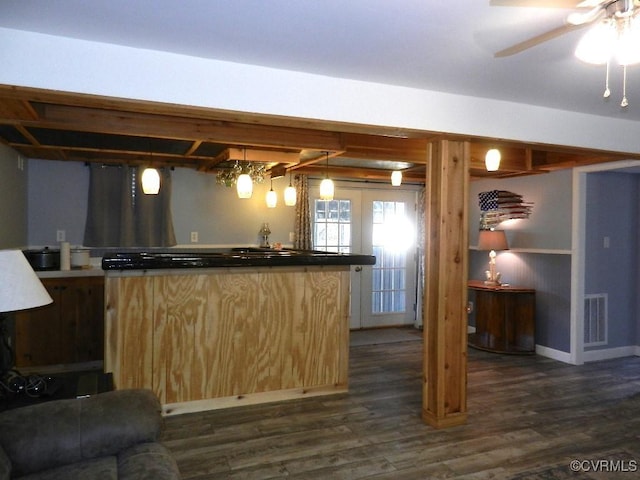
(587, 12)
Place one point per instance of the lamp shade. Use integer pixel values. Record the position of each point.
(20, 287)
(326, 189)
(150, 181)
(272, 199)
(492, 160)
(598, 44)
(492, 240)
(244, 186)
(290, 196)
(396, 178)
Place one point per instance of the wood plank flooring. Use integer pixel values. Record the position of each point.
(528, 418)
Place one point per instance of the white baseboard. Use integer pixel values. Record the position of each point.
(609, 353)
(553, 354)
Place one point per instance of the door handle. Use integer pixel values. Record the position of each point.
(358, 268)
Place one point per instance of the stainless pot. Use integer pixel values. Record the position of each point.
(43, 259)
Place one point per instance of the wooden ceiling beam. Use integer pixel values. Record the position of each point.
(358, 173)
(163, 126)
(371, 147)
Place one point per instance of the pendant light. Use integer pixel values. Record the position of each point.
(326, 186)
(290, 194)
(492, 160)
(150, 181)
(244, 183)
(272, 197)
(396, 178)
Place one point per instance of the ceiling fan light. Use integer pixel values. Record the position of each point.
(290, 196)
(396, 178)
(628, 45)
(492, 160)
(244, 186)
(150, 181)
(598, 43)
(326, 189)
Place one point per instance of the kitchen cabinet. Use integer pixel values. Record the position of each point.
(505, 319)
(69, 330)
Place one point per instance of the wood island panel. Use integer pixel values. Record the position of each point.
(230, 336)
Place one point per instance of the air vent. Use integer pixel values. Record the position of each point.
(596, 319)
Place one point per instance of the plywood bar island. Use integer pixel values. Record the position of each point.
(214, 330)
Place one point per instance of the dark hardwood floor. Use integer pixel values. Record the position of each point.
(529, 417)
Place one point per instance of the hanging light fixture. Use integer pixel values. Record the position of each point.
(290, 194)
(272, 197)
(326, 186)
(615, 38)
(150, 181)
(492, 160)
(244, 183)
(396, 178)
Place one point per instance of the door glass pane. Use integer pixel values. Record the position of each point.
(332, 225)
(391, 237)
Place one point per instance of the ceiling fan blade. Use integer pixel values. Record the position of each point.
(538, 39)
(539, 3)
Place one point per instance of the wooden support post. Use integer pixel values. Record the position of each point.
(444, 395)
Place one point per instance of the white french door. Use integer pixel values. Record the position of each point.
(378, 222)
(389, 233)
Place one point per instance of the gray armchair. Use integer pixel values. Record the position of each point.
(111, 435)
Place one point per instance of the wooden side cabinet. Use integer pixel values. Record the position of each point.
(69, 330)
(505, 319)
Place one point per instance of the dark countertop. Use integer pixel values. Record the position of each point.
(234, 257)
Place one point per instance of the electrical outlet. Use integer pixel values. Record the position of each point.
(194, 237)
(61, 235)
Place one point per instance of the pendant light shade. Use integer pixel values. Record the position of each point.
(244, 182)
(326, 186)
(290, 195)
(326, 189)
(244, 186)
(396, 178)
(492, 160)
(272, 197)
(150, 181)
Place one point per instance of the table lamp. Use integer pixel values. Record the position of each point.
(492, 240)
(20, 289)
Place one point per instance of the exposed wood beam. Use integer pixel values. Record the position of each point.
(163, 126)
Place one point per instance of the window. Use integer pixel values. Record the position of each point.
(332, 226)
(391, 237)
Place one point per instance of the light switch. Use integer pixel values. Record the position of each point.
(606, 242)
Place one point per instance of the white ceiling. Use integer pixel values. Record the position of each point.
(430, 44)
